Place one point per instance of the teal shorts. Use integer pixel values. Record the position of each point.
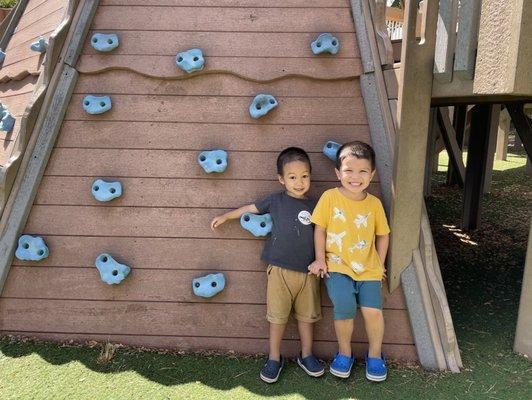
(346, 293)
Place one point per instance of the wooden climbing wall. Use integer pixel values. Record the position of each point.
(160, 121)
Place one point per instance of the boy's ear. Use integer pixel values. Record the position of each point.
(373, 174)
(337, 173)
(281, 179)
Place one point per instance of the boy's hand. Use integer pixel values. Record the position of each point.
(217, 221)
(318, 268)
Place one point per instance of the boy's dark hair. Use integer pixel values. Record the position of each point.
(356, 149)
(292, 154)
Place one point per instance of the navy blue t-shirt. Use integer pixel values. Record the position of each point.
(291, 242)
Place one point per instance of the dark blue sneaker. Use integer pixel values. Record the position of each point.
(311, 365)
(271, 370)
(376, 370)
(341, 365)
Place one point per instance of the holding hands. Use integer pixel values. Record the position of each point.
(319, 268)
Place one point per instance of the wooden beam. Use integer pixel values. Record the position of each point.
(459, 123)
(451, 144)
(523, 331)
(431, 144)
(477, 152)
(523, 125)
(445, 40)
(411, 141)
(492, 144)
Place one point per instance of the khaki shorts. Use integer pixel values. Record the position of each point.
(287, 288)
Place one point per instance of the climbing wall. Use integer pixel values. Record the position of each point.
(160, 121)
(21, 67)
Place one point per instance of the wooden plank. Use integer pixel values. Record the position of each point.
(47, 24)
(5, 151)
(459, 122)
(130, 222)
(451, 144)
(392, 85)
(222, 19)
(466, 40)
(175, 319)
(289, 347)
(125, 82)
(190, 136)
(154, 192)
(212, 109)
(155, 253)
(411, 139)
(9, 24)
(23, 52)
(445, 40)
(21, 69)
(17, 88)
(231, 3)
(523, 331)
(258, 69)
(172, 164)
(84, 283)
(34, 15)
(224, 44)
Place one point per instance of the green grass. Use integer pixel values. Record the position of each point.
(482, 272)
(7, 3)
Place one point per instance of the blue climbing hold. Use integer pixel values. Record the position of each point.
(2, 56)
(111, 271)
(31, 248)
(106, 191)
(40, 45)
(258, 225)
(261, 105)
(208, 285)
(104, 42)
(7, 121)
(330, 149)
(213, 161)
(97, 104)
(325, 43)
(191, 60)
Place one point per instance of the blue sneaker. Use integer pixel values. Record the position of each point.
(311, 365)
(271, 370)
(341, 365)
(376, 370)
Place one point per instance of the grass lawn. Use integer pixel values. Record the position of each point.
(482, 271)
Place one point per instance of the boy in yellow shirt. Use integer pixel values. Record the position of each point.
(351, 241)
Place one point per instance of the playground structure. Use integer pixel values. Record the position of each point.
(162, 118)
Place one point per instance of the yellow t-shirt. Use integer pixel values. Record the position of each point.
(351, 227)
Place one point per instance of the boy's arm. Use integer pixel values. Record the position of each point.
(319, 266)
(234, 214)
(381, 244)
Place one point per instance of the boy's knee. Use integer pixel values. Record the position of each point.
(371, 313)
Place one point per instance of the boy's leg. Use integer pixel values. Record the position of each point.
(374, 322)
(344, 332)
(369, 296)
(306, 334)
(276, 337)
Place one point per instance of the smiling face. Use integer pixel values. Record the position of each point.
(296, 178)
(355, 175)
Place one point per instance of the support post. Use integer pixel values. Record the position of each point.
(492, 138)
(477, 152)
(501, 153)
(523, 126)
(523, 331)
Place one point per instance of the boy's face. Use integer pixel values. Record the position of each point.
(296, 178)
(355, 174)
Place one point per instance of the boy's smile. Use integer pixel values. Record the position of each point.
(355, 175)
(296, 179)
